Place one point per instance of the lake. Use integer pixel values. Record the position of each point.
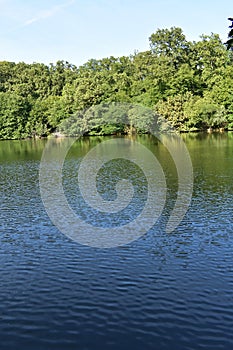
(164, 291)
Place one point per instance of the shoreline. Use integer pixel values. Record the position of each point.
(61, 136)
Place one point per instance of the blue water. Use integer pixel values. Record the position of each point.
(163, 291)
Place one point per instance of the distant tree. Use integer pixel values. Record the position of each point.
(189, 84)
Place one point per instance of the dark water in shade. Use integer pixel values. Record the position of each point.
(163, 291)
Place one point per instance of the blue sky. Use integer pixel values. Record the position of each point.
(77, 30)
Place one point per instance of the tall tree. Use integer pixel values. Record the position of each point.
(171, 43)
(230, 36)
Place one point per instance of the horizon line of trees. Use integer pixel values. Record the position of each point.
(187, 83)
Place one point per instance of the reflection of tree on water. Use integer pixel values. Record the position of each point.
(21, 149)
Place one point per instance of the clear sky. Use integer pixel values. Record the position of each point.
(77, 30)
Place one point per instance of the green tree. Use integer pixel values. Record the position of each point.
(45, 116)
(172, 110)
(204, 113)
(6, 72)
(171, 43)
(14, 112)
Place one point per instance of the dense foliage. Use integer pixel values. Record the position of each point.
(188, 83)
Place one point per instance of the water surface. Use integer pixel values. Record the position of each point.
(163, 291)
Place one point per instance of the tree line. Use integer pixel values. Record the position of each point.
(187, 83)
